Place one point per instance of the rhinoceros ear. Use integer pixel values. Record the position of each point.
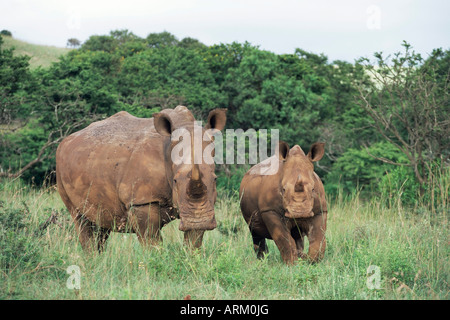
(283, 150)
(217, 119)
(316, 152)
(163, 125)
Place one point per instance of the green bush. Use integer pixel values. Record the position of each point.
(227, 270)
(18, 246)
(357, 168)
(229, 179)
(5, 32)
(399, 262)
(400, 185)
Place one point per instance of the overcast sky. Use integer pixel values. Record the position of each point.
(344, 29)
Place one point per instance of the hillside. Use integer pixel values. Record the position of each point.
(41, 55)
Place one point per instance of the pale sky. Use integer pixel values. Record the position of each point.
(344, 29)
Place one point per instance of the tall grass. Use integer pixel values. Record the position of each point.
(410, 248)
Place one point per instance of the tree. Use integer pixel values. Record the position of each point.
(123, 36)
(14, 78)
(49, 104)
(23, 142)
(161, 39)
(167, 76)
(408, 101)
(191, 43)
(5, 32)
(101, 43)
(73, 42)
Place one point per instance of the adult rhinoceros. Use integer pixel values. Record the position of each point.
(286, 205)
(118, 175)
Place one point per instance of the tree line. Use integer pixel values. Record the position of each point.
(385, 121)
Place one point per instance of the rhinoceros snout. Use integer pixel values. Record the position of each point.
(206, 222)
(298, 214)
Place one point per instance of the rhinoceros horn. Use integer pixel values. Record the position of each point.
(196, 187)
(195, 173)
(298, 184)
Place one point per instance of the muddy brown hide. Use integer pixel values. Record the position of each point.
(287, 205)
(118, 175)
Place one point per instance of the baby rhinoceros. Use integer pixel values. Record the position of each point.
(287, 204)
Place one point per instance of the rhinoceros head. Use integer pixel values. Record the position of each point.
(192, 178)
(298, 181)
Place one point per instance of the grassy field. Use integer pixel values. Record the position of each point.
(411, 250)
(41, 55)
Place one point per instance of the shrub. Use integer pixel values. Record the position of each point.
(358, 167)
(227, 270)
(16, 239)
(400, 185)
(6, 33)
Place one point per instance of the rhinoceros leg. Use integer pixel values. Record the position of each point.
(298, 236)
(102, 237)
(281, 235)
(146, 223)
(194, 238)
(85, 232)
(91, 236)
(316, 237)
(259, 245)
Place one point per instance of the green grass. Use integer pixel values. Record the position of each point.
(411, 249)
(41, 55)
